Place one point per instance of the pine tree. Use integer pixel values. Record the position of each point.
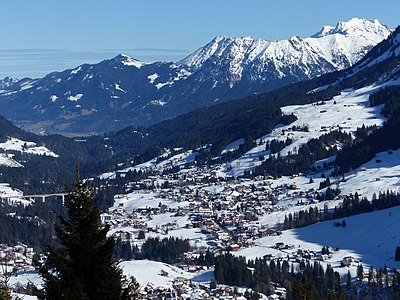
(360, 272)
(5, 290)
(348, 280)
(5, 293)
(84, 267)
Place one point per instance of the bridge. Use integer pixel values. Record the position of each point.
(44, 196)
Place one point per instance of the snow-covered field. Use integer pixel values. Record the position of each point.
(8, 161)
(12, 195)
(158, 163)
(144, 199)
(371, 238)
(147, 271)
(14, 144)
(380, 174)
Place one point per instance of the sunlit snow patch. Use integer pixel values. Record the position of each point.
(75, 98)
(13, 144)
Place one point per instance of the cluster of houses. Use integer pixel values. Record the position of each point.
(229, 212)
(185, 289)
(226, 211)
(16, 259)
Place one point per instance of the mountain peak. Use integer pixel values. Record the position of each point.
(7, 81)
(340, 46)
(354, 27)
(128, 61)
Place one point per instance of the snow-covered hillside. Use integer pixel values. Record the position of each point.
(371, 238)
(157, 164)
(7, 82)
(11, 195)
(14, 144)
(8, 161)
(149, 272)
(346, 112)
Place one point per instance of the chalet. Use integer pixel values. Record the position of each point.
(346, 261)
(268, 232)
(233, 247)
(180, 280)
(164, 273)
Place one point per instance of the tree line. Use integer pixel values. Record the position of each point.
(351, 205)
(305, 281)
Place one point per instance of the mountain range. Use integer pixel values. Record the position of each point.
(208, 131)
(123, 91)
(247, 172)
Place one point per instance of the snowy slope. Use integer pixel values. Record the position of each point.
(346, 112)
(389, 48)
(14, 144)
(11, 195)
(8, 161)
(380, 174)
(371, 238)
(147, 271)
(156, 164)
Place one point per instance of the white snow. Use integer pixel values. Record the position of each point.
(53, 98)
(87, 77)
(181, 74)
(129, 61)
(8, 161)
(143, 199)
(75, 71)
(179, 159)
(233, 146)
(161, 85)
(158, 102)
(12, 195)
(147, 271)
(152, 77)
(380, 174)
(27, 85)
(75, 98)
(14, 144)
(118, 87)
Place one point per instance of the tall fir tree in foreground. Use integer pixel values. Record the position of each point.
(84, 266)
(5, 293)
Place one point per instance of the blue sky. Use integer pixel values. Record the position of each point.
(41, 36)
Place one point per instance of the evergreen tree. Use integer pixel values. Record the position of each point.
(360, 272)
(348, 280)
(83, 267)
(5, 292)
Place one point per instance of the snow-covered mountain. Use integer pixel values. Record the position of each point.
(333, 48)
(123, 91)
(6, 82)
